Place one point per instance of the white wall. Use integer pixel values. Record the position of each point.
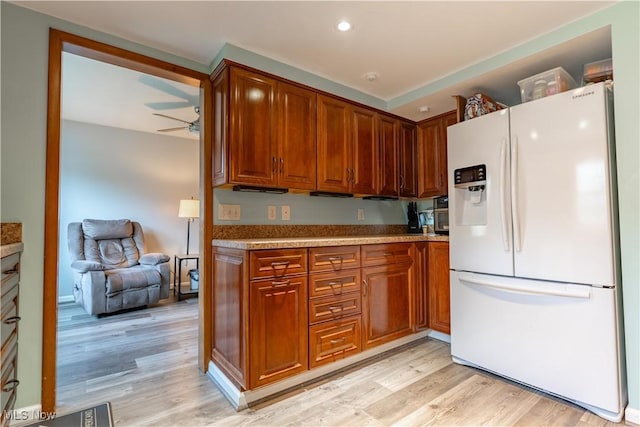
(110, 173)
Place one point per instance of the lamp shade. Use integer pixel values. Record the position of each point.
(189, 209)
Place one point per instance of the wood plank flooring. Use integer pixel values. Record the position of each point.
(144, 363)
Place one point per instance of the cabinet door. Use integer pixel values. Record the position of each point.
(432, 155)
(388, 137)
(278, 328)
(334, 145)
(252, 153)
(386, 303)
(408, 160)
(296, 158)
(421, 266)
(429, 179)
(364, 167)
(439, 306)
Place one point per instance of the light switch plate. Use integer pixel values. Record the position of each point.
(271, 213)
(360, 214)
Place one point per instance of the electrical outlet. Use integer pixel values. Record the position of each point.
(271, 213)
(229, 212)
(285, 213)
(360, 214)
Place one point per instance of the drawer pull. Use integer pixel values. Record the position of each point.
(336, 307)
(388, 254)
(279, 263)
(333, 284)
(12, 271)
(10, 385)
(337, 341)
(279, 284)
(335, 258)
(11, 320)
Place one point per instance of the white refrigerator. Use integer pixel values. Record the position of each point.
(535, 288)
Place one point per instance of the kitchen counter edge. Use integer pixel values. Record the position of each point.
(312, 242)
(10, 249)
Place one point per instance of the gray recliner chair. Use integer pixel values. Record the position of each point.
(112, 272)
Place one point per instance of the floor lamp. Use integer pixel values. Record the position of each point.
(189, 209)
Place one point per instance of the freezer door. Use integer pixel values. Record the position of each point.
(480, 221)
(561, 338)
(562, 194)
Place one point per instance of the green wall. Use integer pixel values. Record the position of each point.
(24, 52)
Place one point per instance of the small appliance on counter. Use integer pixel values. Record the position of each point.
(413, 219)
(441, 215)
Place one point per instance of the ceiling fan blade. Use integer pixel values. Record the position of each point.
(172, 129)
(167, 87)
(172, 118)
(167, 105)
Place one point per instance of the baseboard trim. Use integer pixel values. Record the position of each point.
(243, 399)
(27, 415)
(632, 415)
(65, 298)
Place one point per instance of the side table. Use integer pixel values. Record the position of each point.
(177, 273)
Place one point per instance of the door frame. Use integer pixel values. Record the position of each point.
(59, 42)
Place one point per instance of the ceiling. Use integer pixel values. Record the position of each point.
(409, 45)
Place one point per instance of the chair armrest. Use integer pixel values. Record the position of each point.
(82, 266)
(153, 258)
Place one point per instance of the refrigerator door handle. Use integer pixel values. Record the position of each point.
(504, 213)
(517, 243)
(583, 292)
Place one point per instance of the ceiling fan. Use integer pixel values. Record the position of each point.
(191, 127)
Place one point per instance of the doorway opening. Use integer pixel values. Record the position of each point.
(60, 42)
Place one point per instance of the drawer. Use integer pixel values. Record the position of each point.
(334, 307)
(326, 284)
(389, 253)
(334, 258)
(9, 263)
(9, 384)
(277, 263)
(9, 323)
(333, 341)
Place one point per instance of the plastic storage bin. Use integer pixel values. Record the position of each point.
(194, 276)
(546, 83)
(598, 71)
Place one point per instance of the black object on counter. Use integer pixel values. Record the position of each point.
(413, 224)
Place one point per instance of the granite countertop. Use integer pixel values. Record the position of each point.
(311, 242)
(10, 249)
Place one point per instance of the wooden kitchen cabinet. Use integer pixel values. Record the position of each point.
(389, 152)
(278, 328)
(253, 128)
(365, 151)
(260, 314)
(438, 287)
(387, 292)
(334, 145)
(407, 162)
(432, 155)
(335, 304)
(264, 130)
(10, 292)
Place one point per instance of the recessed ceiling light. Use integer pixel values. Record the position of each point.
(344, 25)
(371, 76)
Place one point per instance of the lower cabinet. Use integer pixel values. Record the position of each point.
(9, 291)
(387, 293)
(438, 291)
(421, 268)
(277, 328)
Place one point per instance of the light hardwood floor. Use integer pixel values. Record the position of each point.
(144, 363)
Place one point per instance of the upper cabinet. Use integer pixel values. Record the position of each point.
(432, 155)
(347, 147)
(389, 156)
(408, 155)
(264, 130)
